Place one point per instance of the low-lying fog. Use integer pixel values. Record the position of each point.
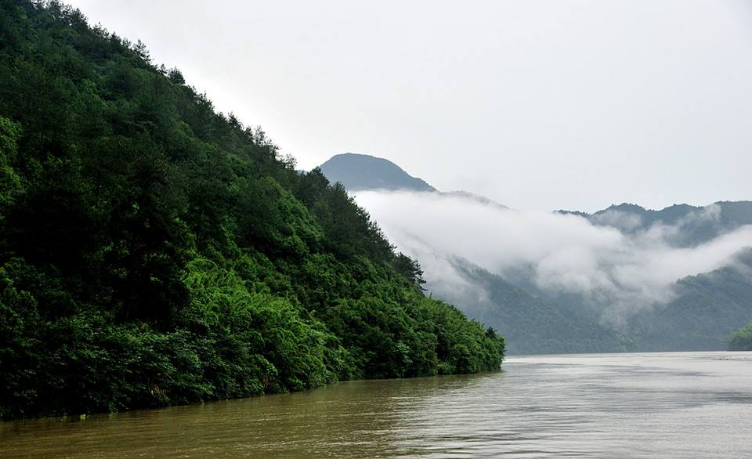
(629, 270)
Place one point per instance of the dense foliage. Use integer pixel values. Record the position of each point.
(740, 340)
(155, 252)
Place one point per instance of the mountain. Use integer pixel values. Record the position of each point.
(531, 324)
(359, 172)
(610, 314)
(689, 226)
(363, 172)
(707, 309)
(156, 252)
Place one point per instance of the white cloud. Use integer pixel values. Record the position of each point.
(563, 253)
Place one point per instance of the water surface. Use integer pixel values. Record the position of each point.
(661, 405)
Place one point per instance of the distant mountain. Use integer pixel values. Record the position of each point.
(690, 225)
(708, 308)
(358, 172)
(363, 172)
(530, 324)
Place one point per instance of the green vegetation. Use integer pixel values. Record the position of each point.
(740, 340)
(155, 252)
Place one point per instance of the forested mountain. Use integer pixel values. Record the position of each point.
(364, 172)
(531, 324)
(704, 310)
(156, 252)
(707, 309)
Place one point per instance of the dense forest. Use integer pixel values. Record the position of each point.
(154, 251)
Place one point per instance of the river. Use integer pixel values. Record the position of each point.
(662, 405)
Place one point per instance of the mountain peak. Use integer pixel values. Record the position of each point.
(358, 172)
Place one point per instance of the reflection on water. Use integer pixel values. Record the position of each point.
(599, 405)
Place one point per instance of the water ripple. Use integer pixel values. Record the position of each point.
(602, 405)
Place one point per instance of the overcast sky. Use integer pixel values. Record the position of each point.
(537, 104)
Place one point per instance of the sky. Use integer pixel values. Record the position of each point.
(537, 104)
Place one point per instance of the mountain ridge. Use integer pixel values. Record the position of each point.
(363, 172)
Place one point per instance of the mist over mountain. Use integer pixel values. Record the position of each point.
(707, 308)
(531, 324)
(359, 172)
(624, 278)
(689, 225)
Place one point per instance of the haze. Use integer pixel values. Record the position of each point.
(538, 105)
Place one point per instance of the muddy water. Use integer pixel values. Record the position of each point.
(599, 405)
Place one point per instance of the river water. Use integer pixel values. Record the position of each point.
(661, 405)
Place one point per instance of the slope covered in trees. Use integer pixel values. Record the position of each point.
(531, 324)
(155, 252)
(707, 309)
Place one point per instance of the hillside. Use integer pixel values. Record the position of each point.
(363, 172)
(708, 308)
(530, 324)
(156, 252)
